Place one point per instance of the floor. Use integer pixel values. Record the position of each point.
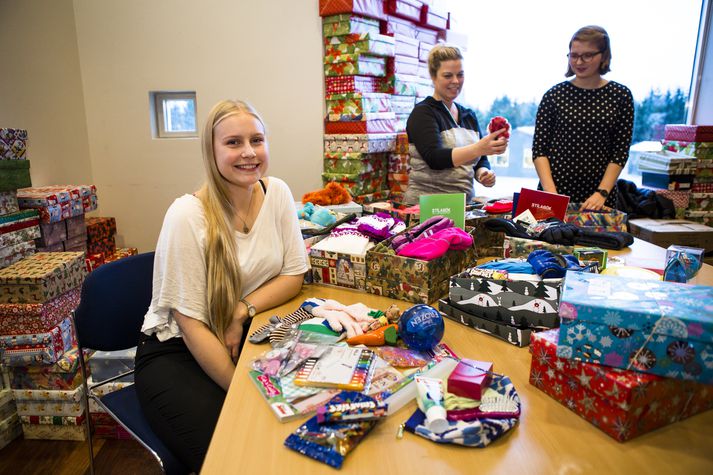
(42, 457)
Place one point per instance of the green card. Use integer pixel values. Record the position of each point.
(450, 205)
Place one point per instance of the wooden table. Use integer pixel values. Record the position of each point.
(550, 439)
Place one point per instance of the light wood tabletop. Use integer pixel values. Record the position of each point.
(549, 439)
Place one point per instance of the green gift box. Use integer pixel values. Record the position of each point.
(353, 64)
(346, 24)
(14, 174)
(353, 106)
(354, 162)
(358, 43)
(357, 183)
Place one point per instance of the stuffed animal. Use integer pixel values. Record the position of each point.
(332, 194)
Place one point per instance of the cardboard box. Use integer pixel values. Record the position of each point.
(623, 404)
(339, 269)
(650, 326)
(513, 335)
(664, 232)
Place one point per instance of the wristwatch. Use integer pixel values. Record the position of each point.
(251, 308)
(603, 192)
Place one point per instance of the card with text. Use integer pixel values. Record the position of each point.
(450, 205)
(542, 204)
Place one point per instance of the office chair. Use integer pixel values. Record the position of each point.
(114, 300)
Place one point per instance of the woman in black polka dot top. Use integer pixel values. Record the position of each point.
(584, 126)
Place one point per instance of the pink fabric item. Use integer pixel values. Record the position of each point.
(435, 246)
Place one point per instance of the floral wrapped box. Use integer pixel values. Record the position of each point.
(20, 236)
(363, 143)
(357, 43)
(13, 144)
(41, 277)
(19, 318)
(650, 326)
(354, 162)
(65, 374)
(346, 24)
(624, 404)
(8, 202)
(356, 64)
(353, 106)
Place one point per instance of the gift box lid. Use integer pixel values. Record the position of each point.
(41, 266)
(654, 307)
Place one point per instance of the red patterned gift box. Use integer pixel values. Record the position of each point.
(20, 220)
(41, 277)
(680, 198)
(406, 9)
(65, 374)
(399, 163)
(372, 123)
(121, 253)
(394, 25)
(105, 246)
(38, 348)
(689, 133)
(354, 84)
(19, 318)
(100, 227)
(624, 404)
(367, 8)
(357, 184)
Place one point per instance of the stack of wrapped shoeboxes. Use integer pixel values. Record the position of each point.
(360, 122)
(512, 310)
(630, 355)
(669, 174)
(105, 365)
(18, 229)
(696, 141)
(38, 346)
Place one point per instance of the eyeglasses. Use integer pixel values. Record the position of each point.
(585, 57)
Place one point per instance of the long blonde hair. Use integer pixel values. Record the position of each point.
(221, 250)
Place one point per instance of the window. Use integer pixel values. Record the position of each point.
(173, 114)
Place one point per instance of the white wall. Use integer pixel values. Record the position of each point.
(41, 88)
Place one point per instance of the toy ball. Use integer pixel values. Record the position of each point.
(421, 327)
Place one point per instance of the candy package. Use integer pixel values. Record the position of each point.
(401, 357)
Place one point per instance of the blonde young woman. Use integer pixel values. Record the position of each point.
(447, 147)
(229, 250)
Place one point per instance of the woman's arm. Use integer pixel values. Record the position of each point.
(596, 201)
(544, 172)
(491, 144)
(205, 347)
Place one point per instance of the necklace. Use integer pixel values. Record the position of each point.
(246, 229)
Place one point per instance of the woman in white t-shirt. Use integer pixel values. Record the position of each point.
(229, 250)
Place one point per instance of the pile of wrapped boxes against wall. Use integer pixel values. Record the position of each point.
(47, 247)
(376, 70)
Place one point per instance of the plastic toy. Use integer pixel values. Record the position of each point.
(421, 327)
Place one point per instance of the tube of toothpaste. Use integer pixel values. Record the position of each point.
(430, 401)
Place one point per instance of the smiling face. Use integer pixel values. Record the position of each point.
(582, 69)
(240, 149)
(449, 80)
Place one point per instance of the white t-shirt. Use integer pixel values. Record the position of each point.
(273, 247)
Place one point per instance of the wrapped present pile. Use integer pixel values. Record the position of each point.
(669, 174)
(630, 355)
(38, 347)
(18, 229)
(105, 365)
(695, 141)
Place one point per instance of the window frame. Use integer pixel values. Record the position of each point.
(158, 98)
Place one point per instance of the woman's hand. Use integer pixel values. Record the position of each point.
(493, 144)
(594, 202)
(234, 332)
(485, 177)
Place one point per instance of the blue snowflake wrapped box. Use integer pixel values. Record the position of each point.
(650, 326)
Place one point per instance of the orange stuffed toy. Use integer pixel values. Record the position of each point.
(332, 194)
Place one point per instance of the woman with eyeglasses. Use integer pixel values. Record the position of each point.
(584, 126)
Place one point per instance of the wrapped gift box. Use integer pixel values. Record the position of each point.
(404, 84)
(689, 133)
(650, 326)
(17, 256)
(65, 374)
(100, 227)
(623, 404)
(105, 427)
(363, 143)
(356, 64)
(8, 202)
(32, 402)
(423, 72)
(379, 195)
(107, 364)
(700, 202)
(76, 226)
(90, 203)
(13, 144)
(354, 84)
(12, 238)
(403, 65)
(339, 269)
(412, 279)
(518, 303)
(353, 106)
(406, 9)
(43, 196)
(105, 389)
(680, 198)
(14, 174)
(38, 348)
(354, 162)
(667, 182)
(702, 188)
(41, 277)
(58, 212)
(10, 429)
(433, 18)
(521, 247)
(19, 220)
(599, 221)
(335, 47)
(357, 184)
(23, 318)
(403, 104)
(397, 182)
(513, 335)
(122, 252)
(423, 50)
(80, 241)
(52, 233)
(669, 163)
(21, 248)
(346, 24)
(406, 46)
(399, 163)
(55, 432)
(700, 150)
(370, 123)
(664, 232)
(704, 217)
(50, 420)
(427, 35)
(367, 8)
(394, 25)
(454, 38)
(401, 145)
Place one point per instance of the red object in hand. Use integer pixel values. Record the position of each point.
(497, 123)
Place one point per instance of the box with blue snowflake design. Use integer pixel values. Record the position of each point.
(650, 326)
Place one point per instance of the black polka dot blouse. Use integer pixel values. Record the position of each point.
(581, 131)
